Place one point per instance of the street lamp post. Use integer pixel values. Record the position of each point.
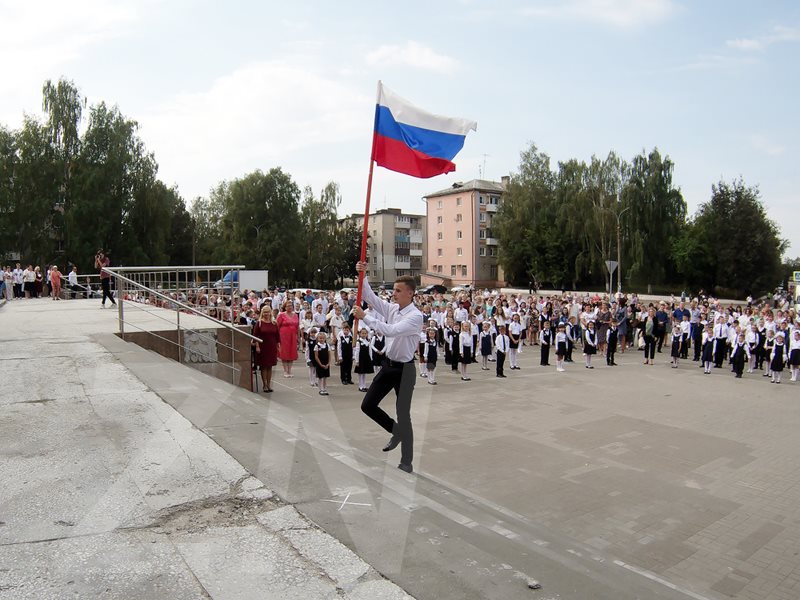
(619, 250)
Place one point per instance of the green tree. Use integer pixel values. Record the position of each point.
(735, 244)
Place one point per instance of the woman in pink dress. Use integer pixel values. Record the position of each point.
(288, 328)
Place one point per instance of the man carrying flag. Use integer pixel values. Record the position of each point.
(412, 141)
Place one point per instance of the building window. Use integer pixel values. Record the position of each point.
(492, 251)
(374, 233)
(438, 204)
(482, 251)
(458, 252)
(483, 218)
(463, 270)
(374, 260)
(458, 235)
(452, 270)
(439, 236)
(494, 200)
(440, 269)
(493, 271)
(458, 218)
(482, 234)
(439, 252)
(458, 201)
(480, 200)
(439, 220)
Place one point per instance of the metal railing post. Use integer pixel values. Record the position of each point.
(180, 345)
(120, 315)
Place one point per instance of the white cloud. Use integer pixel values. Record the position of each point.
(763, 144)
(38, 38)
(779, 34)
(412, 54)
(618, 13)
(745, 44)
(706, 62)
(260, 115)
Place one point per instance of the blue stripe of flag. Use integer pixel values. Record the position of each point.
(431, 143)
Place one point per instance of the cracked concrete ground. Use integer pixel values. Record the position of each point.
(108, 492)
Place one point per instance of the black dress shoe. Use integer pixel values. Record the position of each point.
(406, 468)
(393, 443)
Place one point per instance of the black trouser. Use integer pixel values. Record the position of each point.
(74, 291)
(106, 283)
(401, 377)
(649, 347)
(685, 337)
(17, 290)
(346, 369)
(660, 334)
(720, 352)
(545, 361)
(697, 340)
(570, 346)
(501, 361)
(610, 352)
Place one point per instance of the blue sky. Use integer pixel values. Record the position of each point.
(220, 89)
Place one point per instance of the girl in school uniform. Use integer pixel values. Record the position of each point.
(455, 347)
(708, 349)
(322, 362)
(430, 355)
(740, 353)
(378, 346)
(769, 345)
(309, 354)
(423, 337)
(447, 336)
(677, 341)
(561, 346)
(514, 335)
(485, 344)
(572, 337)
(465, 349)
(777, 358)
(364, 358)
(545, 337)
(590, 344)
(475, 330)
(751, 339)
(794, 354)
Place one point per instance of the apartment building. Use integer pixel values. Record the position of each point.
(396, 244)
(461, 247)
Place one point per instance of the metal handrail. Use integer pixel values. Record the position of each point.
(181, 269)
(113, 271)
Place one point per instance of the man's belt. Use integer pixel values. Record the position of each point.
(396, 364)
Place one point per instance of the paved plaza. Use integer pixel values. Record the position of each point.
(612, 483)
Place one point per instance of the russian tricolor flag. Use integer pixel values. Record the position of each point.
(415, 142)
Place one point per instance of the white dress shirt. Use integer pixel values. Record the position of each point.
(401, 327)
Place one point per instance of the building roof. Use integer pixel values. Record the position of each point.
(480, 185)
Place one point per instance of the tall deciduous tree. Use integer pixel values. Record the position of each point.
(731, 243)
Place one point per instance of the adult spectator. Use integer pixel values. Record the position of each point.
(8, 283)
(288, 327)
(649, 327)
(29, 281)
(101, 261)
(267, 349)
(72, 278)
(55, 283)
(662, 318)
(17, 281)
(38, 282)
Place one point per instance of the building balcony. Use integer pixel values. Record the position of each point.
(402, 224)
(416, 251)
(491, 241)
(402, 238)
(492, 208)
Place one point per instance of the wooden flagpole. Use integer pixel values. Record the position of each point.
(366, 217)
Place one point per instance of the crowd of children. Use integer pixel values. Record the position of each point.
(463, 332)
